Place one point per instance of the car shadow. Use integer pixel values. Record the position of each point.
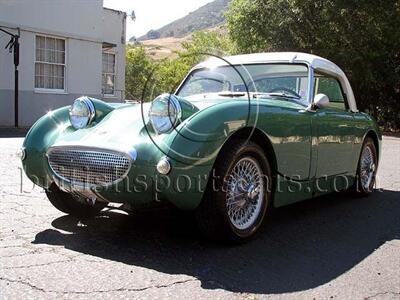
(302, 246)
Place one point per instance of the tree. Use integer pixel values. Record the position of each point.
(362, 37)
(153, 35)
(206, 42)
(138, 71)
(202, 44)
(146, 79)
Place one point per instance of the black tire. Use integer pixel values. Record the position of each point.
(360, 188)
(70, 205)
(212, 214)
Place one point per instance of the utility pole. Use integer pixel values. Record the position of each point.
(13, 46)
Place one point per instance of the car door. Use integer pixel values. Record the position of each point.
(288, 126)
(332, 131)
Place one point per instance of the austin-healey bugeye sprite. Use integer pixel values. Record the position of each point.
(239, 136)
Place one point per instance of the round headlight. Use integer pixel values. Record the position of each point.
(165, 113)
(81, 113)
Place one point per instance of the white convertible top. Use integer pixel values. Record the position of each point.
(315, 62)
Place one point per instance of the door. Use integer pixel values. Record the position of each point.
(332, 130)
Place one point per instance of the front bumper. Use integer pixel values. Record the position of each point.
(139, 185)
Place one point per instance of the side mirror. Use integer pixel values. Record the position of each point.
(321, 101)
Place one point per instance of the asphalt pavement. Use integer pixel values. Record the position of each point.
(334, 247)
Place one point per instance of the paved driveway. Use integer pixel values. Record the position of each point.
(334, 247)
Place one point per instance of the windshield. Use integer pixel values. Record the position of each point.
(285, 80)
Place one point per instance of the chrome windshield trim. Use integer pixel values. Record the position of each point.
(310, 84)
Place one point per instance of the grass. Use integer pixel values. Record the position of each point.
(164, 47)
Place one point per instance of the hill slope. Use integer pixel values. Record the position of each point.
(205, 17)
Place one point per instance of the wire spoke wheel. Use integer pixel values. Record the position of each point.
(239, 195)
(367, 167)
(245, 193)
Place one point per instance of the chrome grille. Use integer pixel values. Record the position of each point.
(88, 166)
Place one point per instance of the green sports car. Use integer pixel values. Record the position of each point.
(240, 135)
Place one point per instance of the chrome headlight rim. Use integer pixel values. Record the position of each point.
(90, 108)
(173, 101)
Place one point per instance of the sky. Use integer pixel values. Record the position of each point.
(153, 14)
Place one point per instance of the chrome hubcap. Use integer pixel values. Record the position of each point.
(245, 192)
(367, 168)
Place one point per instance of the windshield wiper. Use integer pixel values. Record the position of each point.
(231, 94)
(281, 95)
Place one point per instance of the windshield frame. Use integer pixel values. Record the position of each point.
(310, 72)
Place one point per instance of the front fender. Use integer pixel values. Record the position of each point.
(41, 135)
(198, 140)
(194, 146)
(44, 133)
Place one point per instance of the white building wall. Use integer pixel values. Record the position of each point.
(85, 25)
(113, 19)
(84, 67)
(64, 17)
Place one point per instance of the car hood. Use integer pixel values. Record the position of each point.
(120, 129)
(127, 125)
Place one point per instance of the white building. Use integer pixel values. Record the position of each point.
(67, 49)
